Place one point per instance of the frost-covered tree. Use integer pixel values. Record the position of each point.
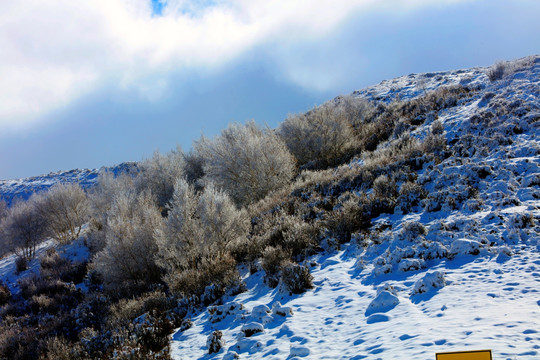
(356, 110)
(4, 246)
(65, 208)
(158, 174)
(222, 223)
(246, 161)
(194, 168)
(101, 199)
(24, 228)
(198, 226)
(320, 137)
(128, 258)
(180, 237)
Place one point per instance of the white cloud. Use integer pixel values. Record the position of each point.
(54, 51)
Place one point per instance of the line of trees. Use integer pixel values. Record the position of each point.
(183, 211)
(59, 213)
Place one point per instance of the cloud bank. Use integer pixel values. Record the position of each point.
(56, 51)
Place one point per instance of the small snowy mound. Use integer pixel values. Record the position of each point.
(465, 247)
(284, 311)
(231, 355)
(432, 280)
(246, 345)
(299, 351)
(384, 302)
(252, 328)
(376, 318)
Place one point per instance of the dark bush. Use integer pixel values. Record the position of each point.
(54, 266)
(296, 278)
(21, 264)
(272, 260)
(215, 342)
(5, 294)
(218, 272)
(354, 215)
(153, 332)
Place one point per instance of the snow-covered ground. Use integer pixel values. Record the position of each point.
(461, 272)
(487, 303)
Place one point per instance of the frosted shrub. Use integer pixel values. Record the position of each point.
(65, 208)
(437, 128)
(413, 231)
(402, 127)
(128, 258)
(321, 137)
(25, 228)
(406, 150)
(158, 175)
(410, 196)
(197, 225)
(246, 161)
(435, 145)
(354, 215)
(383, 187)
(210, 279)
(300, 238)
(411, 264)
(126, 310)
(59, 348)
(4, 239)
(295, 278)
(497, 71)
(223, 225)
(101, 199)
(195, 240)
(180, 237)
(356, 110)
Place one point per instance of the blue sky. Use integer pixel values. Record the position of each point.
(92, 83)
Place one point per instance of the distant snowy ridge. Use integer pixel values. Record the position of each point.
(86, 178)
(414, 85)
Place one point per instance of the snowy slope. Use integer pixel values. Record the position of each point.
(458, 273)
(24, 188)
(486, 304)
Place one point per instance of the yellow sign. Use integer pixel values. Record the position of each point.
(465, 355)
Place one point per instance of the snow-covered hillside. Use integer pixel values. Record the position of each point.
(24, 188)
(459, 271)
